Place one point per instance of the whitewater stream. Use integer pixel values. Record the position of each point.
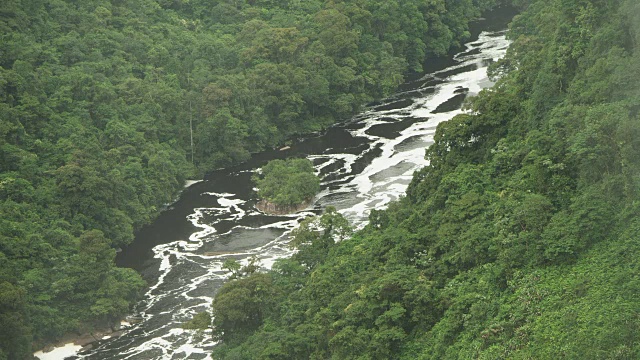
(364, 164)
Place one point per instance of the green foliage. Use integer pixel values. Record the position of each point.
(241, 306)
(200, 321)
(15, 343)
(107, 106)
(518, 241)
(315, 236)
(238, 270)
(287, 182)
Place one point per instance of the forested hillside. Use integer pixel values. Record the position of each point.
(107, 106)
(518, 241)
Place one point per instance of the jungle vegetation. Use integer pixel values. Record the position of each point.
(106, 106)
(287, 182)
(518, 241)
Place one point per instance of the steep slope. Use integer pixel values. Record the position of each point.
(107, 106)
(519, 240)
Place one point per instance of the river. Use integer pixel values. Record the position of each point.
(364, 163)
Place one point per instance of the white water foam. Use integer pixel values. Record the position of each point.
(492, 47)
(58, 353)
(189, 183)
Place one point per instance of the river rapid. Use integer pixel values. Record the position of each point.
(364, 163)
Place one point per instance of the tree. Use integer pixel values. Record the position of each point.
(240, 307)
(315, 236)
(15, 334)
(287, 182)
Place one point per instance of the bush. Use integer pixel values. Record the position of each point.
(287, 182)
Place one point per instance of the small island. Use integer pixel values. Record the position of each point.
(286, 186)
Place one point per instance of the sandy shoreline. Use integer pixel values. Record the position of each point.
(71, 345)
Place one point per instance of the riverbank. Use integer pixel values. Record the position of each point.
(73, 344)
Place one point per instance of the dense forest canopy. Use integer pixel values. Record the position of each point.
(287, 182)
(106, 106)
(518, 241)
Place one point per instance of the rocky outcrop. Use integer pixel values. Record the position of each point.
(275, 209)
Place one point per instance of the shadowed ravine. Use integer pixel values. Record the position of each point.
(365, 164)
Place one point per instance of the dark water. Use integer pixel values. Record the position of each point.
(364, 163)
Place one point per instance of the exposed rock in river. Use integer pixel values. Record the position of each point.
(275, 209)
